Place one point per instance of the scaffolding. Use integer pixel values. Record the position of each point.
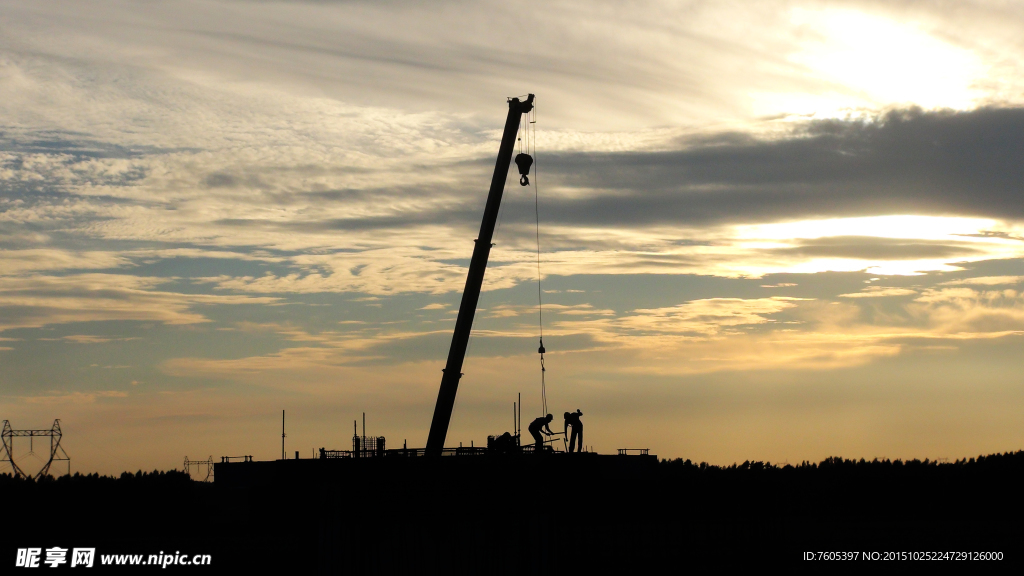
(57, 453)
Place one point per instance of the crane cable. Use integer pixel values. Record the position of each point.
(524, 160)
(531, 148)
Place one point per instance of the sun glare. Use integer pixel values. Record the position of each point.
(874, 62)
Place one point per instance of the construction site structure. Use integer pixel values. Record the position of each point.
(57, 453)
(504, 451)
(501, 445)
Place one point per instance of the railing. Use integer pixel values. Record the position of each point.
(236, 458)
(640, 451)
(418, 452)
(405, 452)
(551, 445)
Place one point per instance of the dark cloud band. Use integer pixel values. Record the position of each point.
(963, 163)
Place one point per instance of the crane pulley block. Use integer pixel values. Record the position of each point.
(524, 161)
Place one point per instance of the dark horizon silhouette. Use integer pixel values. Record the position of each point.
(480, 514)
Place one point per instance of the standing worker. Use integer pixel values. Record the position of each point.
(539, 425)
(573, 419)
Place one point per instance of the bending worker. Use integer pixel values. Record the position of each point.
(573, 419)
(539, 425)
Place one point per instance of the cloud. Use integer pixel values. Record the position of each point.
(699, 336)
(966, 312)
(15, 262)
(514, 310)
(880, 292)
(60, 398)
(706, 317)
(344, 196)
(985, 281)
(36, 301)
(731, 334)
(870, 248)
(903, 162)
(91, 339)
(328, 355)
(602, 64)
(193, 253)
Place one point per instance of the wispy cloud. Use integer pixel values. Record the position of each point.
(92, 339)
(13, 262)
(880, 292)
(58, 398)
(985, 281)
(36, 301)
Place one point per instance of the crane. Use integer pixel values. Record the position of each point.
(474, 280)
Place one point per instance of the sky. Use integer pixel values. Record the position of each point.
(775, 231)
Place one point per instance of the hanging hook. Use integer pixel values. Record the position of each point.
(524, 161)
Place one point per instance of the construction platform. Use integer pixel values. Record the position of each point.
(480, 514)
(410, 464)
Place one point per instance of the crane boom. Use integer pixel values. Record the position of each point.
(477, 266)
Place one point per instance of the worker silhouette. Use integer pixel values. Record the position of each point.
(539, 425)
(573, 419)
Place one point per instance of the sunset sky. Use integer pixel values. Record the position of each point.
(770, 230)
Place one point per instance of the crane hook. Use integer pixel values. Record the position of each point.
(524, 161)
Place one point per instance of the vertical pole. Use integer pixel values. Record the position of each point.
(364, 430)
(474, 280)
(282, 435)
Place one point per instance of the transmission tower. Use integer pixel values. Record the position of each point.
(198, 464)
(57, 453)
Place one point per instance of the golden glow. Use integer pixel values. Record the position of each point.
(873, 62)
(901, 226)
(974, 235)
